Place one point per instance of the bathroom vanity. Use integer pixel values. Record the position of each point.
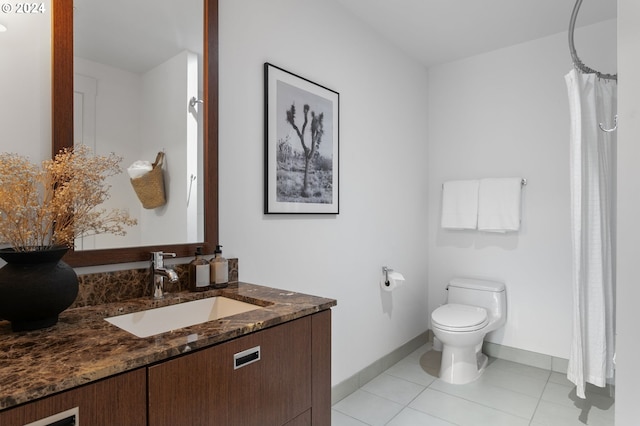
(270, 365)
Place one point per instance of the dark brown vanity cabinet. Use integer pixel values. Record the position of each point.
(276, 376)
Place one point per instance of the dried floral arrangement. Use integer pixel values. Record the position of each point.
(52, 205)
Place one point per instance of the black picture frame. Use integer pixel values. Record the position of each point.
(301, 138)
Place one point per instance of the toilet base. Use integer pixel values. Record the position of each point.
(462, 365)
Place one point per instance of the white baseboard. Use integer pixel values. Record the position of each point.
(521, 356)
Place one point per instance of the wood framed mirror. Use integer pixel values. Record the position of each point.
(63, 132)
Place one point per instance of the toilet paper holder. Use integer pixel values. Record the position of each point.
(386, 271)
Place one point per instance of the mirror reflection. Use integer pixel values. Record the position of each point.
(138, 82)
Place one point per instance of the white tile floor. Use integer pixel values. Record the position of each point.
(507, 394)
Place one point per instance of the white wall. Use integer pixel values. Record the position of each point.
(500, 114)
(25, 84)
(628, 314)
(383, 165)
(166, 125)
(118, 100)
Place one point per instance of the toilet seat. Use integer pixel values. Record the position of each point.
(456, 317)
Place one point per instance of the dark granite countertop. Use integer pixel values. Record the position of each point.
(83, 347)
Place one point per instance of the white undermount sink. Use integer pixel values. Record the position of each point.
(160, 320)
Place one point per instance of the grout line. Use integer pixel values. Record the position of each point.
(351, 417)
(540, 399)
(484, 405)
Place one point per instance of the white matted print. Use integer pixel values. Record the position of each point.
(301, 144)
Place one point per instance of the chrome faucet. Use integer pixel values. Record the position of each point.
(159, 272)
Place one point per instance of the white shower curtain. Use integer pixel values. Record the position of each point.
(593, 197)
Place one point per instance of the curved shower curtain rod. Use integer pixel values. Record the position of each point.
(572, 48)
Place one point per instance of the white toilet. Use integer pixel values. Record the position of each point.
(474, 308)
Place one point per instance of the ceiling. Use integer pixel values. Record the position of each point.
(432, 31)
(136, 35)
(439, 31)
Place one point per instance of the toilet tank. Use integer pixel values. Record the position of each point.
(475, 292)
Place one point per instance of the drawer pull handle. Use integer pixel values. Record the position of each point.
(65, 418)
(246, 357)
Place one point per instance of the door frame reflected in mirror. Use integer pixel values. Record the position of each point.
(62, 132)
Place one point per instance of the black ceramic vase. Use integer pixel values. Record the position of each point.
(35, 287)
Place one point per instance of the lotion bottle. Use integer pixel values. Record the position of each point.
(199, 272)
(219, 274)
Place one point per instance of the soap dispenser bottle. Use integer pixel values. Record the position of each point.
(219, 275)
(199, 272)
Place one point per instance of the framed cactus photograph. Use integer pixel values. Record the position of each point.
(301, 145)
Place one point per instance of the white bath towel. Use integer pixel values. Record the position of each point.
(499, 203)
(460, 204)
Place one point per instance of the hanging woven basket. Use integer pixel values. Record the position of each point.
(150, 186)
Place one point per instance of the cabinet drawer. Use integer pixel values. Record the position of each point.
(235, 384)
(118, 400)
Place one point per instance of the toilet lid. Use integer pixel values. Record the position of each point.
(457, 317)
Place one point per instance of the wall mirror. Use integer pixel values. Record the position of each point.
(155, 85)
